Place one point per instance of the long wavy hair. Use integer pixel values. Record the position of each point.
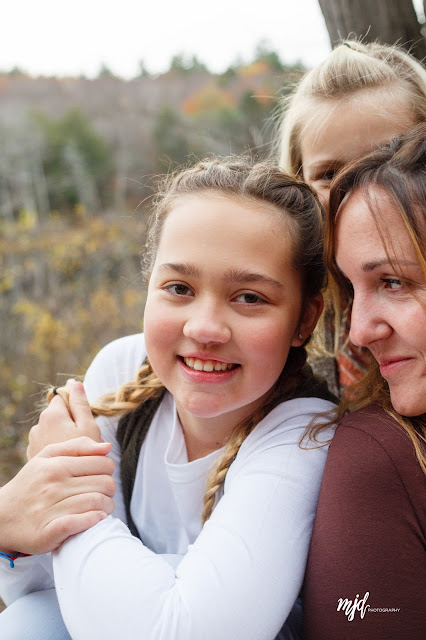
(263, 185)
(399, 169)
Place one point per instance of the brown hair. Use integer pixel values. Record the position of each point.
(267, 186)
(400, 169)
(351, 67)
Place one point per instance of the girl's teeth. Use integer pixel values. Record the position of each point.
(206, 365)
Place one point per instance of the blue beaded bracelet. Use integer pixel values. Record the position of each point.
(12, 556)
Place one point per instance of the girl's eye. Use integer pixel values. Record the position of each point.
(328, 176)
(249, 298)
(392, 283)
(178, 289)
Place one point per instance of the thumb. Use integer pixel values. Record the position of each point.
(81, 412)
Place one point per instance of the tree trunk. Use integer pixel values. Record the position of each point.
(389, 21)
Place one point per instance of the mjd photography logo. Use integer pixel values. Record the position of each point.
(351, 607)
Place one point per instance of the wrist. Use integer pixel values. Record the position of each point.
(11, 557)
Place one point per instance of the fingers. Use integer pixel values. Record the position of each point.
(82, 446)
(104, 484)
(62, 528)
(81, 503)
(81, 412)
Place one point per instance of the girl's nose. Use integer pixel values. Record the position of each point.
(368, 322)
(207, 323)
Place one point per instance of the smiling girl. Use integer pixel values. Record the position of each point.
(211, 480)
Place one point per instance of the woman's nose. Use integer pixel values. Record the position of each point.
(207, 323)
(368, 322)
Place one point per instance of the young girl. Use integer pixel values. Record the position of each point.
(210, 476)
(359, 97)
(366, 569)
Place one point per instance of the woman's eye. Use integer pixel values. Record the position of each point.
(249, 298)
(392, 283)
(179, 289)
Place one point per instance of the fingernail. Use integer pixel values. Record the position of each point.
(78, 386)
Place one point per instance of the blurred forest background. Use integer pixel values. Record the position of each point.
(78, 160)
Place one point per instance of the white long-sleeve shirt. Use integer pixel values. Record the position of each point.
(237, 577)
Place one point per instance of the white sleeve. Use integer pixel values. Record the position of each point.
(115, 364)
(239, 579)
(34, 573)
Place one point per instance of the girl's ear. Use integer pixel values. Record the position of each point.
(311, 313)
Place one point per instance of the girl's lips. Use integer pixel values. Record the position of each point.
(206, 372)
(203, 364)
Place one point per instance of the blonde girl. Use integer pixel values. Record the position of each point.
(359, 97)
(209, 474)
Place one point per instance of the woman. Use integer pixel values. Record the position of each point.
(366, 568)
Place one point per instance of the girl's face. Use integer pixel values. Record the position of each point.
(389, 306)
(224, 306)
(347, 130)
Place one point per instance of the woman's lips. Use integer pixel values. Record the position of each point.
(391, 365)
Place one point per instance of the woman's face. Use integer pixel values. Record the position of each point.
(346, 130)
(389, 287)
(223, 308)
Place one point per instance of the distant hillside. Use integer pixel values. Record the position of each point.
(139, 127)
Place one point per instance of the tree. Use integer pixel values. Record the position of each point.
(76, 160)
(388, 21)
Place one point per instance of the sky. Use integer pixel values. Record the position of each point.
(49, 37)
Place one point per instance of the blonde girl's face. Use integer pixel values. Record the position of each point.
(344, 131)
(389, 287)
(224, 307)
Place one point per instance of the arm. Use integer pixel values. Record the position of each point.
(239, 579)
(63, 490)
(367, 538)
(30, 519)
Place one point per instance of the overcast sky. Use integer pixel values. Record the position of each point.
(51, 37)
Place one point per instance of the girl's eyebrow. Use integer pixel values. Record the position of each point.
(232, 275)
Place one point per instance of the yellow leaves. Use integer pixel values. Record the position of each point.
(80, 211)
(258, 68)
(210, 98)
(48, 333)
(27, 220)
(6, 281)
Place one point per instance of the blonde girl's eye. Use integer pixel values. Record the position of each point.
(178, 289)
(250, 298)
(328, 175)
(394, 284)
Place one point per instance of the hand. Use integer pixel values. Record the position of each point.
(58, 422)
(65, 489)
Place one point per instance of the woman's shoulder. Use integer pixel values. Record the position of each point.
(372, 440)
(115, 364)
(376, 424)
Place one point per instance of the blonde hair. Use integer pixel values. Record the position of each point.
(351, 67)
(298, 206)
(400, 169)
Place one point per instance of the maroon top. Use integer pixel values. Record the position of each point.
(369, 540)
